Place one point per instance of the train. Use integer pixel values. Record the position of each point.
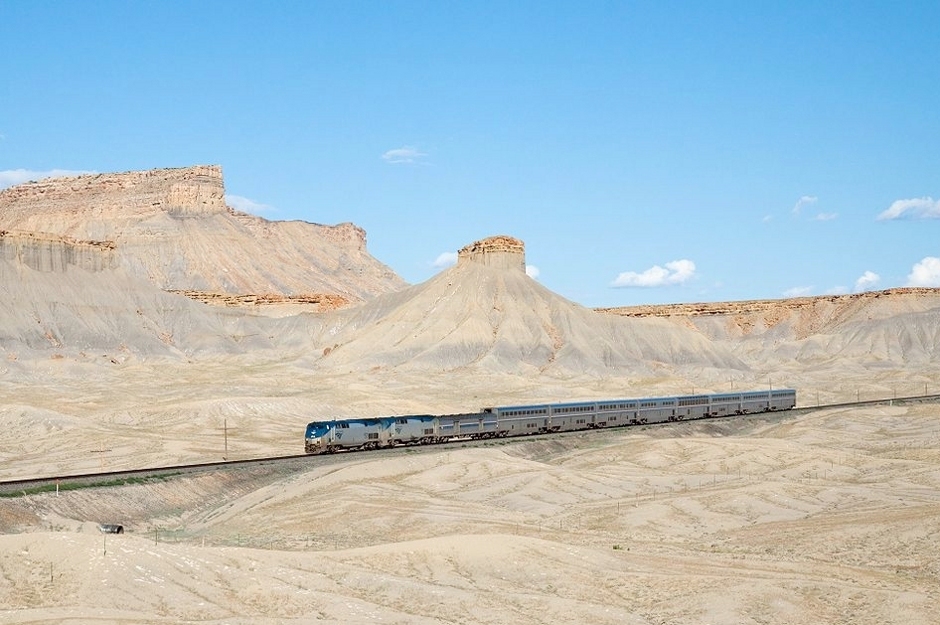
(358, 434)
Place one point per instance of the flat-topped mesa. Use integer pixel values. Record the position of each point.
(171, 227)
(177, 191)
(498, 251)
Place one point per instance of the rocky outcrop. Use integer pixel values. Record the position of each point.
(497, 251)
(897, 325)
(318, 302)
(172, 228)
(75, 200)
(49, 253)
(763, 306)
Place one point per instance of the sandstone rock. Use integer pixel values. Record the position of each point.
(497, 251)
(486, 314)
(172, 227)
(50, 253)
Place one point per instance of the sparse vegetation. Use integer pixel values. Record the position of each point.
(79, 485)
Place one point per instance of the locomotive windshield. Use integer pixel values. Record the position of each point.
(318, 429)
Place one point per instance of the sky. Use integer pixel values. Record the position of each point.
(645, 152)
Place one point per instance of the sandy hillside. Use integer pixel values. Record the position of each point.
(173, 228)
(826, 517)
(486, 314)
(771, 521)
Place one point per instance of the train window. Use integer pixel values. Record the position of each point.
(373, 435)
(428, 431)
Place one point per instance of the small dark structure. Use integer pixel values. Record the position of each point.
(110, 528)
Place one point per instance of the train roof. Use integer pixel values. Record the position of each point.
(636, 399)
(555, 405)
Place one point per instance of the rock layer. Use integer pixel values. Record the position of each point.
(497, 251)
(173, 228)
(49, 253)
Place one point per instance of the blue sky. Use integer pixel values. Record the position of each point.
(646, 152)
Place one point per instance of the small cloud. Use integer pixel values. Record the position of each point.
(447, 259)
(798, 291)
(837, 290)
(767, 218)
(246, 205)
(916, 208)
(675, 272)
(925, 273)
(806, 200)
(11, 177)
(825, 216)
(867, 281)
(404, 154)
(532, 271)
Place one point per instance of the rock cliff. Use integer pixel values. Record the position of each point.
(893, 327)
(497, 251)
(79, 204)
(50, 253)
(173, 228)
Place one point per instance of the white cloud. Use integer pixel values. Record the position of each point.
(532, 271)
(447, 259)
(404, 154)
(925, 273)
(916, 208)
(10, 177)
(825, 216)
(246, 205)
(675, 272)
(866, 281)
(798, 291)
(806, 200)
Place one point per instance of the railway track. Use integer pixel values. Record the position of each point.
(28, 486)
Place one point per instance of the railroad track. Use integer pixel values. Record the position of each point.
(20, 487)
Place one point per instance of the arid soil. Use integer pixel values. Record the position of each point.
(143, 324)
(828, 517)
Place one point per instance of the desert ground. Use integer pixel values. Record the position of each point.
(831, 516)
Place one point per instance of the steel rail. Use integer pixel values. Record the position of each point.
(116, 478)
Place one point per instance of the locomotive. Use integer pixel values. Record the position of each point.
(497, 422)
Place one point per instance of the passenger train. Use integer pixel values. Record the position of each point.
(374, 432)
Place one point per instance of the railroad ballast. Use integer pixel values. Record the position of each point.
(374, 432)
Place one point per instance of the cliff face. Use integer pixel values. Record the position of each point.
(173, 228)
(498, 251)
(893, 327)
(48, 253)
(799, 317)
(79, 204)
